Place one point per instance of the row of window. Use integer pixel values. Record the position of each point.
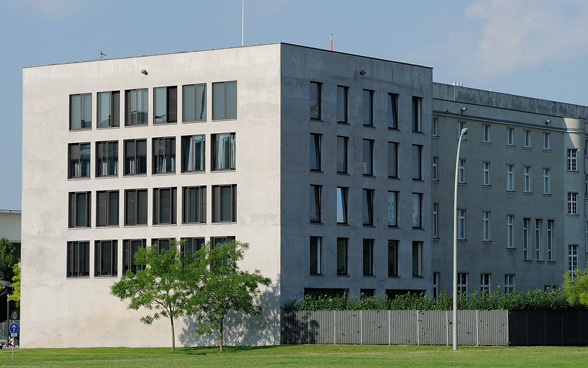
(106, 254)
(510, 135)
(368, 98)
(224, 206)
(368, 252)
(163, 150)
(165, 106)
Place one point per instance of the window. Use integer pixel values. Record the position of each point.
(485, 173)
(436, 277)
(342, 104)
(220, 240)
(315, 152)
(164, 205)
(194, 102)
(80, 111)
(546, 141)
(368, 107)
(130, 248)
(462, 283)
(135, 207)
(546, 181)
(224, 203)
(417, 114)
(572, 203)
(164, 155)
(392, 160)
(224, 151)
(224, 100)
(550, 240)
(486, 133)
(510, 136)
(107, 208)
(509, 283)
(461, 175)
(165, 105)
(315, 100)
(461, 224)
(191, 246)
(392, 111)
(572, 258)
(509, 231)
(368, 157)
(417, 259)
(435, 168)
(526, 179)
(572, 159)
(136, 107)
(105, 258)
(342, 154)
(417, 162)
(108, 109)
(368, 257)
(392, 208)
(135, 156)
(161, 244)
(417, 210)
(368, 206)
(194, 205)
(526, 224)
(460, 126)
(79, 160)
(107, 158)
(315, 203)
(527, 138)
(315, 255)
(538, 224)
(342, 205)
(510, 178)
(79, 209)
(78, 259)
(436, 220)
(342, 256)
(193, 153)
(485, 283)
(435, 127)
(486, 226)
(392, 258)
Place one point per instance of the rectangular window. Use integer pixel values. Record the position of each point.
(417, 208)
(527, 138)
(164, 205)
(392, 111)
(486, 133)
(509, 231)
(572, 160)
(368, 157)
(417, 259)
(161, 244)
(368, 257)
(461, 224)
(368, 107)
(417, 114)
(79, 209)
(342, 256)
(342, 104)
(538, 224)
(78, 259)
(526, 179)
(315, 152)
(315, 203)
(220, 240)
(315, 255)
(510, 136)
(435, 127)
(392, 208)
(550, 240)
(315, 100)
(135, 207)
(194, 205)
(105, 258)
(436, 277)
(572, 203)
(136, 107)
(392, 258)
(224, 203)
(435, 168)
(462, 283)
(107, 158)
(417, 162)
(191, 246)
(130, 248)
(436, 220)
(486, 226)
(224, 100)
(461, 173)
(392, 160)
(165, 105)
(546, 141)
(460, 126)
(485, 173)
(108, 109)
(164, 155)
(526, 225)
(342, 154)
(80, 111)
(342, 205)
(510, 178)
(135, 156)
(509, 283)
(107, 208)
(368, 206)
(193, 102)
(546, 181)
(572, 258)
(79, 160)
(485, 283)
(224, 151)
(193, 153)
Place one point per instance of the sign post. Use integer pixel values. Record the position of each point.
(14, 333)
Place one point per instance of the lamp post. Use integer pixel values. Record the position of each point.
(7, 284)
(463, 132)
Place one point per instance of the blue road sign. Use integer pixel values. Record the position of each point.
(13, 328)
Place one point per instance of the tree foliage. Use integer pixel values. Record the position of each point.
(15, 296)
(576, 287)
(8, 257)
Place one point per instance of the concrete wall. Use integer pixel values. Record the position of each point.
(10, 225)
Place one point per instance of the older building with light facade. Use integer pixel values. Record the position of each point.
(320, 160)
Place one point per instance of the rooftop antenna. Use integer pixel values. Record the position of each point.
(102, 54)
(331, 42)
(242, 20)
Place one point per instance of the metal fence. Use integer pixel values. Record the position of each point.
(394, 327)
(548, 327)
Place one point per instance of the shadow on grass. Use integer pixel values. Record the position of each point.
(227, 349)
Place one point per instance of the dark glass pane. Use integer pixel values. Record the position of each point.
(75, 107)
(341, 104)
(341, 256)
(200, 102)
(226, 204)
(341, 154)
(231, 100)
(188, 103)
(142, 207)
(315, 103)
(367, 108)
(113, 209)
(218, 101)
(160, 108)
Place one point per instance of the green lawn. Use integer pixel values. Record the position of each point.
(301, 356)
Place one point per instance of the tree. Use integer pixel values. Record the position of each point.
(161, 286)
(8, 257)
(15, 296)
(224, 287)
(575, 286)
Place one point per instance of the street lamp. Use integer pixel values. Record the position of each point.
(7, 284)
(463, 132)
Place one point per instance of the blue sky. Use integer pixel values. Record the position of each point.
(535, 48)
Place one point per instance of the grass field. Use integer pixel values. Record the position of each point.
(301, 356)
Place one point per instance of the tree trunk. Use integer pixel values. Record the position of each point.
(173, 334)
(222, 318)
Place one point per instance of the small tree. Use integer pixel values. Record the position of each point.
(225, 288)
(15, 296)
(8, 257)
(576, 286)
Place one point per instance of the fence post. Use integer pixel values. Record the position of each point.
(360, 327)
(389, 328)
(418, 337)
(334, 327)
(477, 328)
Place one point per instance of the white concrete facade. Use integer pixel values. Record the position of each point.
(10, 225)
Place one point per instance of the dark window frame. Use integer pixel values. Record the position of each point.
(135, 207)
(171, 105)
(218, 212)
(199, 108)
(75, 160)
(105, 214)
(198, 213)
(194, 152)
(140, 115)
(315, 100)
(139, 162)
(159, 211)
(78, 259)
(82, 117)
(230, 161)
(164, 155)
(101, 268)
(226, 113)
(74, 215)
(107, 153)
(113, 107)
(129, 250)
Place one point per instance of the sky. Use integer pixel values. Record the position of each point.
(535, 48)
